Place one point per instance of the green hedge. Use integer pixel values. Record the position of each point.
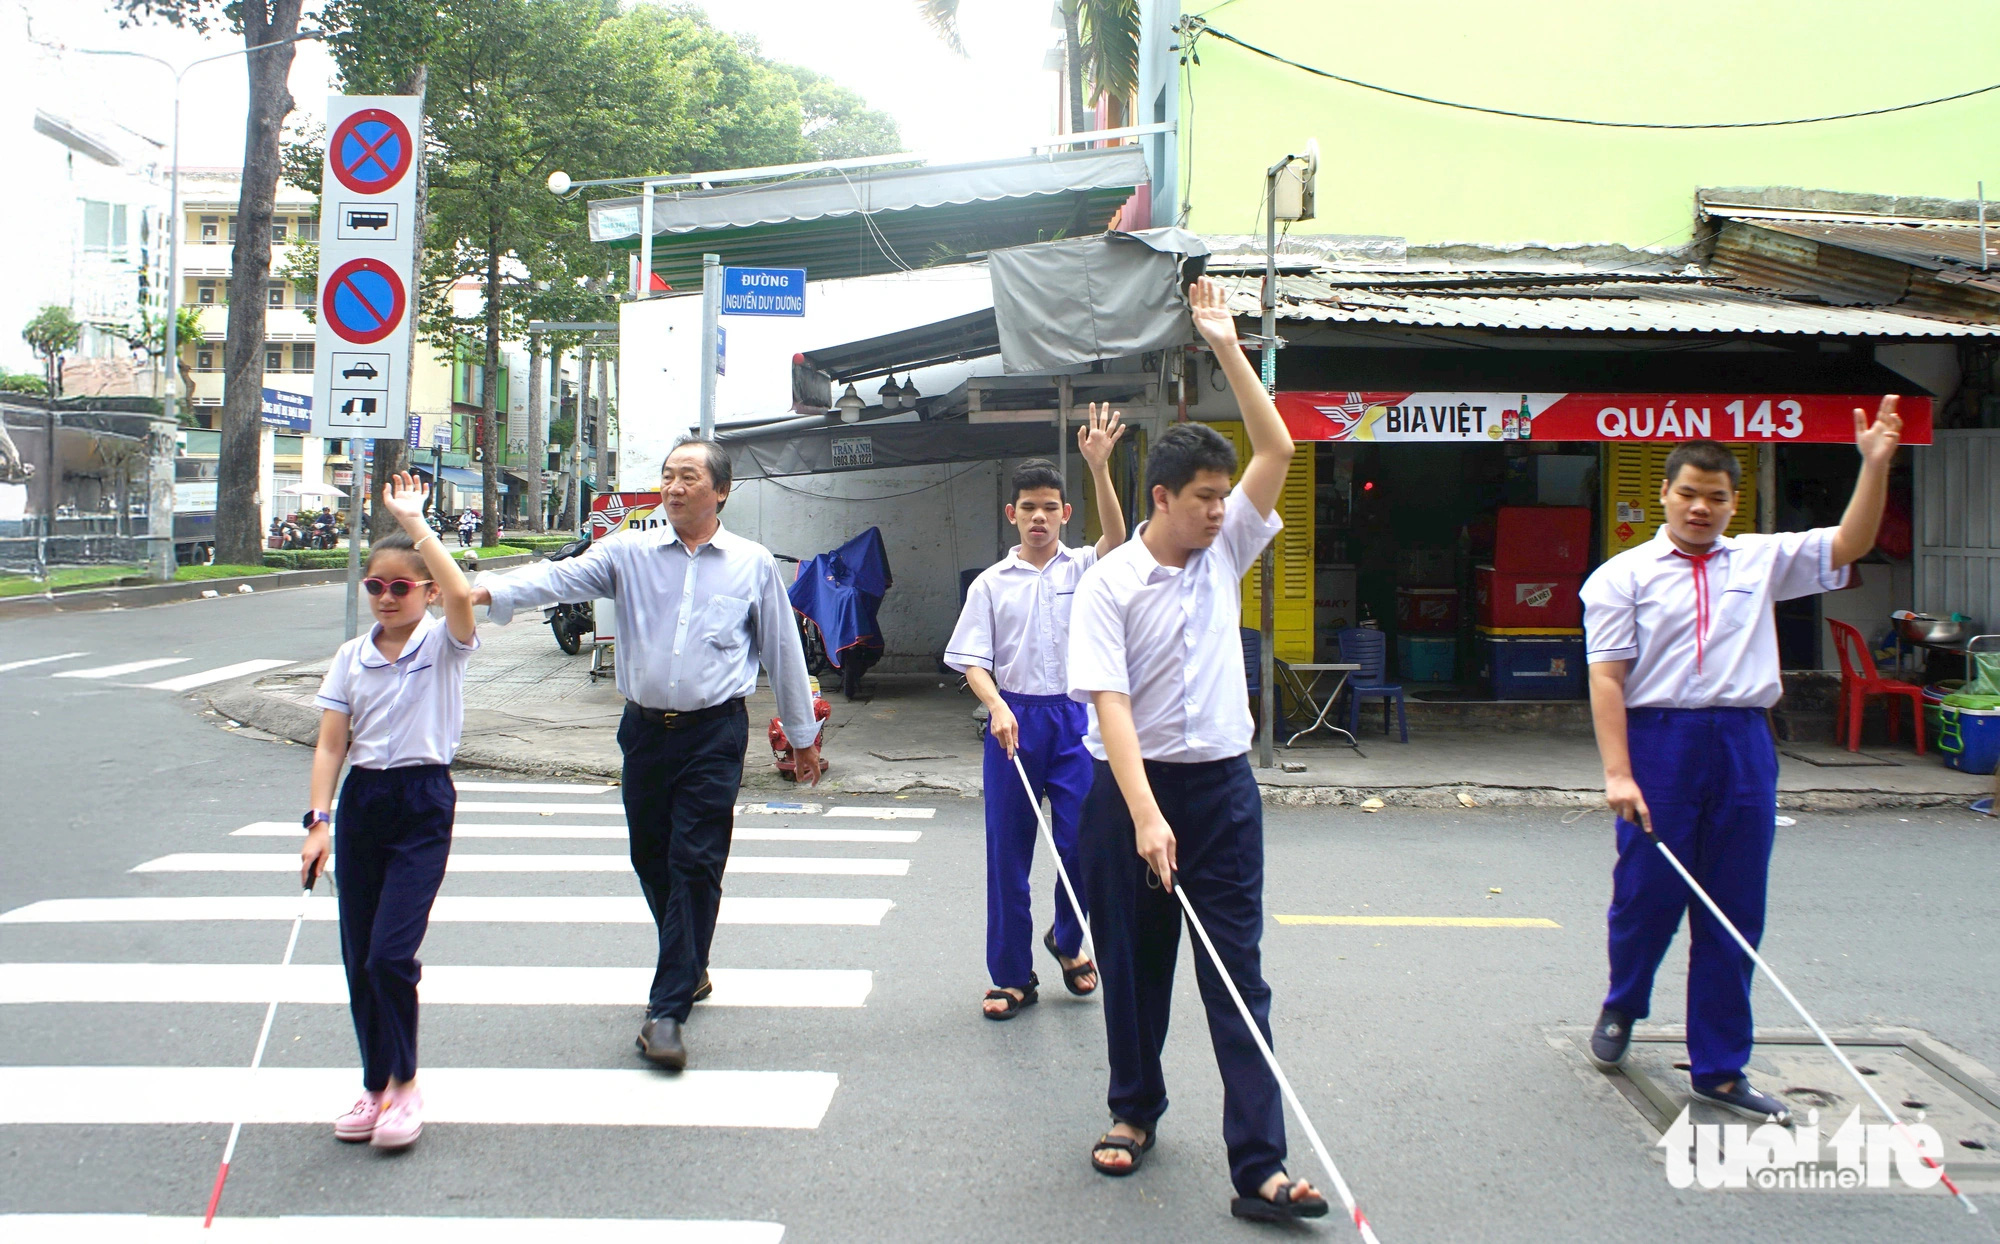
(308, 559)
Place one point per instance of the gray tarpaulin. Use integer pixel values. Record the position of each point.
(869, 447)
(1083, 299)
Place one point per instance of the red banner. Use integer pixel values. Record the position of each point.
(1756, 418)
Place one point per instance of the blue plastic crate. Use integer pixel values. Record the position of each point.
(1533, 667)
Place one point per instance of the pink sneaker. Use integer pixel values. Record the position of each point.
(358, 1124)
(402, 1121)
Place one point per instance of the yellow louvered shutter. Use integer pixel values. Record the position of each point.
(1632, 475)
(1292, 596)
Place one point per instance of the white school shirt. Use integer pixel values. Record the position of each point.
(409, 711)
(1016, 622)
(1641, 606)
(1167, 638)
(693, 624)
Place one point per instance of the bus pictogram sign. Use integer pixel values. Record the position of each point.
(363, 301)
(370, 151)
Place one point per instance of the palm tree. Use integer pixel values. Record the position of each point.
(1100, 41)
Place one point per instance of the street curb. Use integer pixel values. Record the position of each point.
(86, 600)
(245, 704)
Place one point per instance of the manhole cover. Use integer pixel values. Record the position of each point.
(1921, 1080)
(1829, 759)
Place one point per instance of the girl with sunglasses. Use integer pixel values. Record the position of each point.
(393, 707)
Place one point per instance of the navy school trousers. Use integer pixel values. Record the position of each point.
(680, 785)
(1218, 822)
(1051, 750)
(1710, 778)
(392, 839)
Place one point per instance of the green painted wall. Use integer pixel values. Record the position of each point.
(1430, 174)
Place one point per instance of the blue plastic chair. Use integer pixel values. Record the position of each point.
(1369, 649)
(1253, 678)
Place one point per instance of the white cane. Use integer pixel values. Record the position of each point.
(1361, 1222)
(1048, 836)
(1811, 1023)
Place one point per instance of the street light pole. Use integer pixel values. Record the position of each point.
(162, 558)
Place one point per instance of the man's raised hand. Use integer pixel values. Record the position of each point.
(1212, 320)
(1878, 441)
(1100, 436)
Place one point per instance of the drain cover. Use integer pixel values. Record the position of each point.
(1921, 1080)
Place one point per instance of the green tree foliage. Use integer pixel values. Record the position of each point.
(53, 333)
(837, 123)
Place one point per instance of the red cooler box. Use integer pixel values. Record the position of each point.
(1543, 540)
(1427, 610)
(1509, 601)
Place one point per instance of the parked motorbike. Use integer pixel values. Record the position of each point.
(571, 622)
(837, 595)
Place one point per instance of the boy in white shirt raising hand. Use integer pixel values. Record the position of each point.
(1683, 653)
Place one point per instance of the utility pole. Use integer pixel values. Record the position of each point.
(711, 314)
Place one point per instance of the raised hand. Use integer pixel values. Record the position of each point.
(403, 496)
(1211, 313)
(1096, 440)
(1878, 441)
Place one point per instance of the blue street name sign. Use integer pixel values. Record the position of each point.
(721, 351)
(763, 291)
(286, 411)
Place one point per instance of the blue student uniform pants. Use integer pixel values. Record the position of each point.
(680, 785)
(392, 839)
(1710, 779)
(1051, 749)
(1218, 823)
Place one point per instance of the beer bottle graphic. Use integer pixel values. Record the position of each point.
(1524, 418)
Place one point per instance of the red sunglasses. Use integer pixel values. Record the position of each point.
(398, 588)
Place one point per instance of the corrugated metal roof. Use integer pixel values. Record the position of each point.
(1609, 306)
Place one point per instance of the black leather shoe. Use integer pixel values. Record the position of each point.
(704, 989)
(660, 1044)
(1748, 1102)
(1608, 1041)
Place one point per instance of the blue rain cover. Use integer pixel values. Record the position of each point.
(841, 590)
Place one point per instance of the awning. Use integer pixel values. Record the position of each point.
(970, 336)
(860, 223)
(459, 477)
(848, 447)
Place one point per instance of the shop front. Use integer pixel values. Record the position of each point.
(1464, 523)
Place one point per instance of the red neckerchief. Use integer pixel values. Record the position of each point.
(1698, 562)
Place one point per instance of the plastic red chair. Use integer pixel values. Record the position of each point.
(1859, 682)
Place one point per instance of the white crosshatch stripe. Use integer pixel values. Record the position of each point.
(886, 814)
(301, 1229)
(21, 665)
(459, 862)
(449, 909)
(188, 682)
(488, 1095)
(537, 788)
(443, 985)
(609, 807)
(617, 833)
(116, 671)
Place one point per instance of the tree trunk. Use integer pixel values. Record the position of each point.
(239, 526)
(603, 471)
(392, 456)
(583, 422)
(489, 511)
(538, 448)
(1079, 120)
(554, 413)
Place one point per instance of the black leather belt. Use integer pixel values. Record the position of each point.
(674, 721)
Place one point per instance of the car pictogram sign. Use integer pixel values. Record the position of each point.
(363, 301)
(370, 151)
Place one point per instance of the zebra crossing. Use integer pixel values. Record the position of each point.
(851, 857)
(125, 673)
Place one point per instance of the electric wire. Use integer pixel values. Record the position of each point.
(1193, 28)
(821, 496)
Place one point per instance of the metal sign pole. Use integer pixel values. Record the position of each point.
(711, 312)
(357, 488)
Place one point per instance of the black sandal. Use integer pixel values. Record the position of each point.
(1135, 1149)
(1070, 975)
(1281, 1207)
(1015, 1005)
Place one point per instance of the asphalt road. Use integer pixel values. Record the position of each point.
(1424, 1053)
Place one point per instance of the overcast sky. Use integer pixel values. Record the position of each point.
(996, 102)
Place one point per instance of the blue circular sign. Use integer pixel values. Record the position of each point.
(370, 151)
(363, 301)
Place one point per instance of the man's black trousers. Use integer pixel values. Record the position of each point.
(1218, 822)
(680, 785)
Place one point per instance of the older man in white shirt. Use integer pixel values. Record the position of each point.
(699, 610)
(1154, 650)
(1683, 653)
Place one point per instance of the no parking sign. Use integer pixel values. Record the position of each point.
(367, 208)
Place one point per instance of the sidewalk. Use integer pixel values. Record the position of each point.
(532, 710)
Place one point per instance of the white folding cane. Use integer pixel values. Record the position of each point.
(1811, 1023)
(1048, 836)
